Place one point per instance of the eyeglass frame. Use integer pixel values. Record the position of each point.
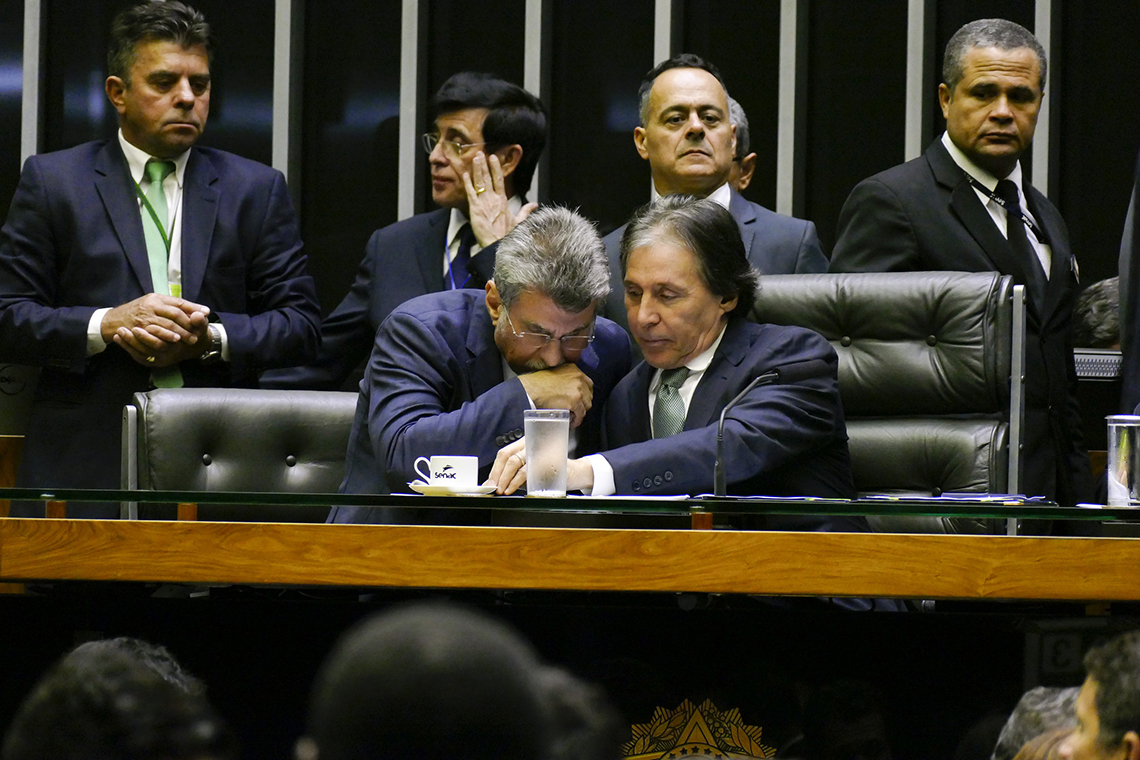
(431, 139)
(546, 339)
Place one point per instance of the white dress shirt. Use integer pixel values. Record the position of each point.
(995, 209)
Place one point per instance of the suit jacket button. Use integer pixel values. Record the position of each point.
(636, 486)
(500, 441)
(647, 482)
(668, 475)
(657, 480)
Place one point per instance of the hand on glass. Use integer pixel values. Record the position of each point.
(508, 474)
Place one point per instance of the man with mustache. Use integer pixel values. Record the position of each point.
(452, 372)
(689, 140)
(145, 261)
(964, 205)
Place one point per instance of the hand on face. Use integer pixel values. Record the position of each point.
(488, 205)
(562, 387)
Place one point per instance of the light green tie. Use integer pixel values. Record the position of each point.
(669, 408)
(158, 253)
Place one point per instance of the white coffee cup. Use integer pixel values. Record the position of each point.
(462, 472)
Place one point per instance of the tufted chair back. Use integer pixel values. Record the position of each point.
(925, 360)
(238, 439)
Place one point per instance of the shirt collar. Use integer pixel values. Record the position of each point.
(137, 158)
(988, 180)
(722, 195)
(458, 218)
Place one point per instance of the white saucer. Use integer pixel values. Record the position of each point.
(431, 490)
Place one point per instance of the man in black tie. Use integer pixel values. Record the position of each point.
(964, 205)
(484, 147)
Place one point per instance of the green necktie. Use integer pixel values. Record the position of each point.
(157, 252)
(669, 408)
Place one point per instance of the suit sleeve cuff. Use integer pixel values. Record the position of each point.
(603, 476)
(95, 342)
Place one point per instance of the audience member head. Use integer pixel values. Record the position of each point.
(158, 66)
(121, 699)
(685, 133)
(476, 112)
(993, 79)
(1096, 317)
(1047, 746)
(429, 682)
(685, 274)
(845, 720)
(743, 162)
(585, 724)
(1108, 707)
(551, 272)
(1039, 710)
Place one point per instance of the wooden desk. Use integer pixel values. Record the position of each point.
(768, 563)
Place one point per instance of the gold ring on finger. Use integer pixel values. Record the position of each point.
(480, 190)
(150, 360)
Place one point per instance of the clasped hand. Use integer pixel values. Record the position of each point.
(158, 330)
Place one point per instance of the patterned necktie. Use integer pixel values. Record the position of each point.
(158, 254)
(1019, 242)
(457, 274)
(669, 408)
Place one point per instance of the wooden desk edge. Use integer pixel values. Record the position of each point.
(769, 563)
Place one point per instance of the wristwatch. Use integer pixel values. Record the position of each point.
(214, 348)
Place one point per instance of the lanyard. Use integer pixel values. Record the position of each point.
(154, 217)
(1029, 225)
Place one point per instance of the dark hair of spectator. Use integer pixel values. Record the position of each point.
(157, 20)
(708, 231)
(431, 682)
(1096, 316)
(679, 61)
(117, 700)
(1115, 667)
(514, 117)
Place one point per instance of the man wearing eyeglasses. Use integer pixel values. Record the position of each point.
(484, 146)
(451, 373)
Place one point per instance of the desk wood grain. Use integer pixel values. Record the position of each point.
(818, 564)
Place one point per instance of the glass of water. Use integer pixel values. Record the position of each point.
(547, 434)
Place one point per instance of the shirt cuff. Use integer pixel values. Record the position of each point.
(95, 342)
(225, 341)
(603, 476)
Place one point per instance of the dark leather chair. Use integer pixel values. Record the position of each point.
(237, 439)
(925, 361)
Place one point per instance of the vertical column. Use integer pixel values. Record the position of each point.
(536, 79)
(32, 92)
(287, 62)
(410, 77)
(663, 33)
(916, 79)
(792, 25)
(1043, 29)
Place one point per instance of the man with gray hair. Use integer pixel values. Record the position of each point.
(964, 206)
(452, 372)
(1040, 710)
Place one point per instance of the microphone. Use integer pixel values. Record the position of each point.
(789, 375)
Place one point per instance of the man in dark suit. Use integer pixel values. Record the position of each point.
(144, 260)
(452, 373)
(959, 207)
(688, 138)
(488, 137)
(688, 287)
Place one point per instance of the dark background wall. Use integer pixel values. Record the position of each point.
(851, 72)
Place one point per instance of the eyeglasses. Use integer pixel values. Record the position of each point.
(451, 148)
(571, 344)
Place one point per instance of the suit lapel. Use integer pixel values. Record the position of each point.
(639, 428)
(116, 188)
(1062, 261)
(968, 208)
(745, 217)
(429, 251)
(200, 211)
(484, 362)
(704, 409)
